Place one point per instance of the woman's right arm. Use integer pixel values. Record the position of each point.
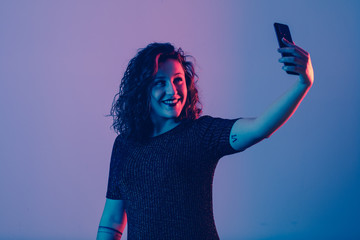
(113, 220)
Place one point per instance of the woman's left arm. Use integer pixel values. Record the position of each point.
(248, 131)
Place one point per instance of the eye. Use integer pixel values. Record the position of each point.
(177, 80)
(159, 83)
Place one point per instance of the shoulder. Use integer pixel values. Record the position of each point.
(199, 123)
(121, 143)
(209, 125)
(120, 150)
(207, 120)
(119, 140)
(203, 120)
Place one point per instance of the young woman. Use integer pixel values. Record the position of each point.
(164, 158)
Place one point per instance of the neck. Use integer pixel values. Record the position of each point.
(161, 127)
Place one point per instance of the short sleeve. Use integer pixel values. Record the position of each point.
(113, 188)
(215, 135)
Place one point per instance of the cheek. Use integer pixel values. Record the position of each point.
(184, 91)
(155, 94)
(153, 101)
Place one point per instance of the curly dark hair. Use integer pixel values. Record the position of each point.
(131, 105)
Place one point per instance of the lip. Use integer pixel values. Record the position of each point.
(173, 100)
(173, 103)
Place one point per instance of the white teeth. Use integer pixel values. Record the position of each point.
(171, 101)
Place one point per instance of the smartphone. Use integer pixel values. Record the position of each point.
(283, 31)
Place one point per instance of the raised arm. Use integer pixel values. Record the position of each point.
(248, 131)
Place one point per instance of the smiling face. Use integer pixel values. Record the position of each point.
(168, 92)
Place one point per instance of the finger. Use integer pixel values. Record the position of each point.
(302, 51)
(293, 51)
(288, 43)
(297, 69)
(292, 44)
(294, 60)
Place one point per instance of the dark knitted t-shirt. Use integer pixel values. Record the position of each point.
(168, 179)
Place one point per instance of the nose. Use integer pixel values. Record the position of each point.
(170, 89)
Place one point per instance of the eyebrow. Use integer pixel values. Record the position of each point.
(161, 77)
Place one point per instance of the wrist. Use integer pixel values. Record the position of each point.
(108, 233)
(304, 83)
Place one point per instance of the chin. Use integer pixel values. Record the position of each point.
(172, 115)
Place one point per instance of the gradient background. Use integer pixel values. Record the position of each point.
(60, 66)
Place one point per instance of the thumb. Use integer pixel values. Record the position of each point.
(284, 40)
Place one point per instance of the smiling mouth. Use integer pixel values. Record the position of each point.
(171, 103)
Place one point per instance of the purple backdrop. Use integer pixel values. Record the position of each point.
(61, 63)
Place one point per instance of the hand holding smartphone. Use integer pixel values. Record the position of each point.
(283, 31)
